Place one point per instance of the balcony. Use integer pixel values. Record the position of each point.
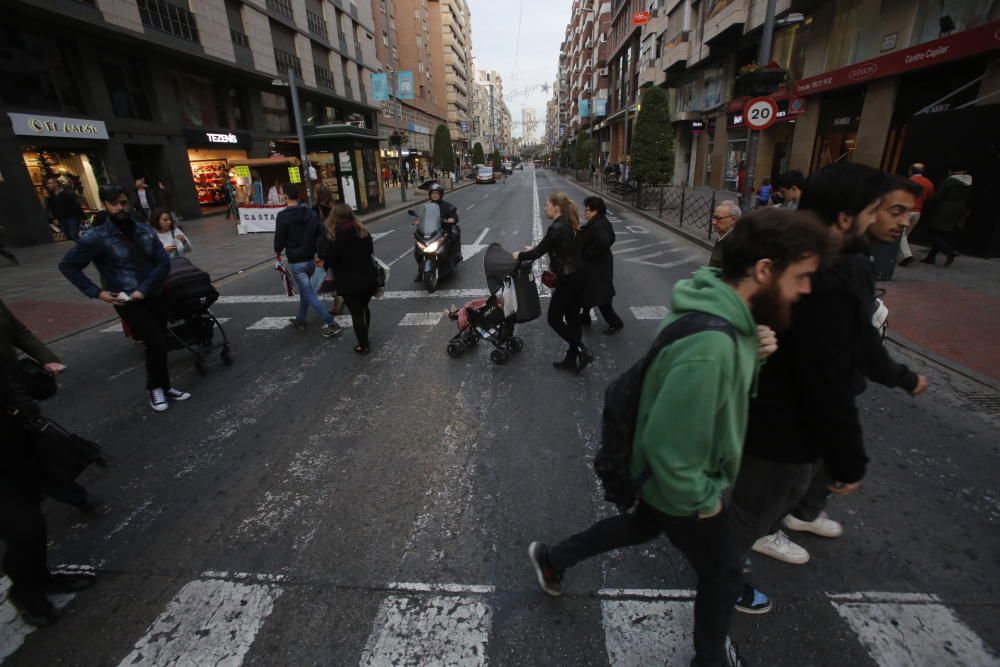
(676, 52)
(167, 17)
(287, 61)
(324, 77)
(239, 38)
(317, 25)
(282, 7)
(726, 21)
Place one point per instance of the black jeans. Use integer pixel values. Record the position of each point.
(22, 528)
(942, 242)
(361, 316)
(564, 309)
(707, 544)
(607, 312)
(813, 501)
(147, 318)
(765, 491)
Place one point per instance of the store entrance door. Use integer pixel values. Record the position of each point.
(145, 162)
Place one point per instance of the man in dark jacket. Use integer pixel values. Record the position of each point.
(64, 208)
(449, 225)
(22, 526)
(297, 234)
(724, 218)
(133, 266)
(804, 413)
(945, 214)
(596, 238)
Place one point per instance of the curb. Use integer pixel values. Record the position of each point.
(375, 217)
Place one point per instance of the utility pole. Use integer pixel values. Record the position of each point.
(303, 154)
(763, 58)
(397, 120)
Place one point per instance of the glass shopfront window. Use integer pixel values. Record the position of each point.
(37, 72)
(82, 172)
(736, 160)
(933, 17)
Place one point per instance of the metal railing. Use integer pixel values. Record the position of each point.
(287, 61)
(324, 77)
(317, 25)
(673, 204)
(168, 17)
(283, 7)
(239, 38)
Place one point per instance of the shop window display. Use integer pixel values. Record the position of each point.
(210, 177)
(83, 172)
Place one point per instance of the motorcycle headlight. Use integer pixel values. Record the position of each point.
(432, 246)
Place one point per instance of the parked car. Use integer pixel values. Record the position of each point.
(485, 175)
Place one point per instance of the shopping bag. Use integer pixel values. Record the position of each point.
(381, 276)
(529, 307)
(508, 295)
(63, 455)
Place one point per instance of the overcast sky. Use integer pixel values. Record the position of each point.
(494, 42)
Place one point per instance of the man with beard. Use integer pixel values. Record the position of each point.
(133, 265)
(803, 420)
(692, 417)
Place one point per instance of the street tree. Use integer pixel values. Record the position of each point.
(653, 141)
(496, 159)
(478, 157)
(442, 156)
(584, 147)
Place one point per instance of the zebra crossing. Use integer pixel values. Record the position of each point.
(216, 618)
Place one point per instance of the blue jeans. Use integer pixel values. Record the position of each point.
(302, 273)
(71, 228)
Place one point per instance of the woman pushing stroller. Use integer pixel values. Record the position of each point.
(561, 242)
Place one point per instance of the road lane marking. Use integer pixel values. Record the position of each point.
(649, 312)
(905, 630)
(636, 229)
(421, 319)
(405, 253)
(276, 323)
(422, 630)
(469, 208)
(472, 293)
(541, 264)
(410, 587)
(647, 247)
(690, 259)
(377, 235)
(645, 632)
(209, 622)
(651, 593)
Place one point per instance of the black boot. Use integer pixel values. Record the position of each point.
(35, 610)
(569, 362)
(584, 358)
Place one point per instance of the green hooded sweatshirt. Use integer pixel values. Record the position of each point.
(693, 407)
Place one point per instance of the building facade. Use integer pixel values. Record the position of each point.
(180, 92)
(455, 39)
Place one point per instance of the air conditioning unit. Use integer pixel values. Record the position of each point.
(602, 71)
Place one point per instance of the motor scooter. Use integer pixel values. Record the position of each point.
(434, 247)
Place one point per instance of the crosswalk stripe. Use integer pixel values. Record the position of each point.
(12, 629)
(209, 622)
(899, 630)
(117, 326)
(429, 630)
(649, 312)
(648, 632)
(421, 319)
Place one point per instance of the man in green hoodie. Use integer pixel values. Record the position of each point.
(693, 414)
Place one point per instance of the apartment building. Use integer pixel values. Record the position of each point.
(495, 123)
(454, 46)
(881, 82)
(181, 91)
(403, 43)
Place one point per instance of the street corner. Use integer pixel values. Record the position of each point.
(50, 320)
(955, 323)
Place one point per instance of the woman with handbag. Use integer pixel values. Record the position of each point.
(173, 238)
(349, 251)
(567, 276)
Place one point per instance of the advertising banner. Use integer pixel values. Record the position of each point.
(380, 86)
(258, 219)
(404, 85)
(601, 106)
(584, 108)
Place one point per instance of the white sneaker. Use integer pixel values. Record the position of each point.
(780, 547)
(822, 525)
(157, 400)
(177, 395)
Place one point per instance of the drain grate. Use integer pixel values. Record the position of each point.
(988, 402)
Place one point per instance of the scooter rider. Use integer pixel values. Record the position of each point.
(449, 222)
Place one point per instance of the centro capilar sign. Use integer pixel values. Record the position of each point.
(34, 125)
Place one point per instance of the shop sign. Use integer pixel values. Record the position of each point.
(697, 126)
(56, 126)
(294, 175)
(601, 106)
(640, 18)
(953, 47)
(215, 138)
(243, 171)
(796, 105)
(258, 219)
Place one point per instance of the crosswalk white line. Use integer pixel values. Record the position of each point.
(421, 319)
(276, 323)
(429, 630)
(659, 245)
(899, 630)
(117, 326)
(12, 629)
(209, 622)
(638, 633)
(690, 259)
(649, 312)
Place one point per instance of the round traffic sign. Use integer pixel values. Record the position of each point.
(760, 113)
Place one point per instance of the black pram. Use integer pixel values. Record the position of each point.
(488, 319)
(191, 325)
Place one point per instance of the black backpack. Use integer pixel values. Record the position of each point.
(621, 410)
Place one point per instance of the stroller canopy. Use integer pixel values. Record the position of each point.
(498, 264)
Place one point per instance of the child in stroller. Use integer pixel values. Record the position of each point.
(513, 299)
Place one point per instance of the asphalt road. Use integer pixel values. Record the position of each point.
(310, 506)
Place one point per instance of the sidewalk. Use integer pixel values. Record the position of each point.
(51, 307)
(949, 315)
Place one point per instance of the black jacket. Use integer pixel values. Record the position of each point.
(350, 257)
(297, 232)
(947, 210)
(562, 245)
(804, 409)
(715, 261)
(448, 210)
(15, 336)
(596, 238)
(137, 203)
(63, 205)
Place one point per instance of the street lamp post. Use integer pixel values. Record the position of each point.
(300, 133)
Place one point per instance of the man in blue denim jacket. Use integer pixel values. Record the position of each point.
(133, 266)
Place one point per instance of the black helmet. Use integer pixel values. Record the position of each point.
(436, 187)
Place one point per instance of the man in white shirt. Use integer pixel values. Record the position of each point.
(144, 199)
(723, 219)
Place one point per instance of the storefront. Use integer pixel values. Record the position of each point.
(775, 142)
(69, 149)
(837, 132)
(347, 160)
(259, 188)
(211, 154)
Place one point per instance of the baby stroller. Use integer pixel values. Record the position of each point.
(513, 299)
(190, 323)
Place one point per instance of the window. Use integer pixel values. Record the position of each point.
(126, 90)
(713, 88)
(37, 72)
(857, 26)
(385, 39)
(283, 7)
(169, 18)
(196, 99)
(964, 14)
(276, 112)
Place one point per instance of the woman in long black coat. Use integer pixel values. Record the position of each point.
(348, 250)
(596, 238)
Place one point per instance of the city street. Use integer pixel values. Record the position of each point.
(312, 506)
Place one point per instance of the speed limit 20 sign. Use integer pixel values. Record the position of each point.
(760, 113)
